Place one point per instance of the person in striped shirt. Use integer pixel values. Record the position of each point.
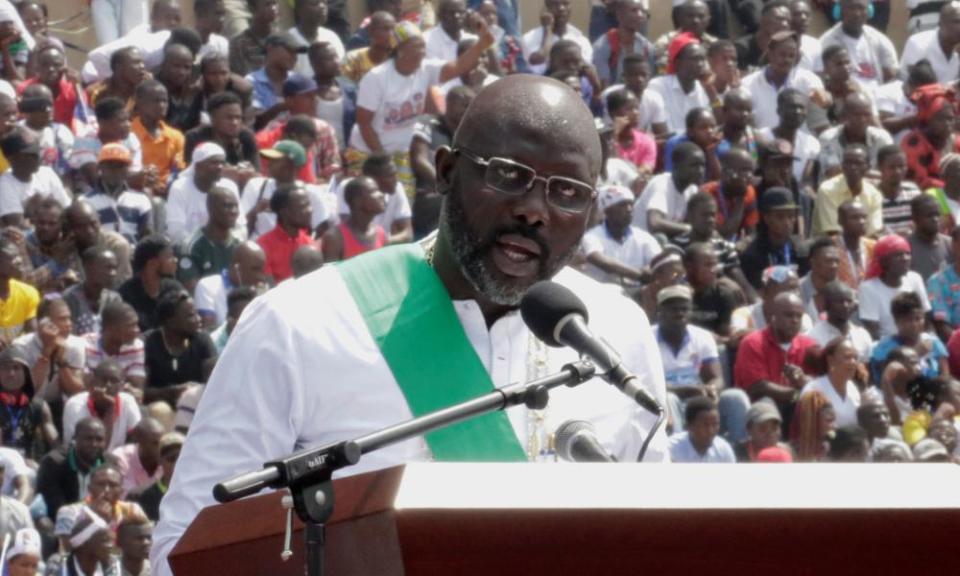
(119, 341)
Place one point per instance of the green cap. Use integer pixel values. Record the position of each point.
(287, 149)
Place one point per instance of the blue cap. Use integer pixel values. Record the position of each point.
(297, 84)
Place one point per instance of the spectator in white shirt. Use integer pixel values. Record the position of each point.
(681, 89)
(103, 399)
(115, 18)
(888, 275)
(652, 116)
(310, 16)
(840, 304)
(187, 201)
(809, 46)
(246, 269)
(939, 46)
(873, 55)
(781, 72)
(898, 114)
(554, 25)
(26, 180)
(616, 251)
(662, 206)
(397, 218)
(702, 441)
(837, 385)
(209, 19)
(792, 111)
(442, 40)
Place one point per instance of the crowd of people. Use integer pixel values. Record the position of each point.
(784, 208)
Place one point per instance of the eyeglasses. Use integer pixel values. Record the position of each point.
(513, 179)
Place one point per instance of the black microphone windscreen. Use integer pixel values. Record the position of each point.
(545, 304)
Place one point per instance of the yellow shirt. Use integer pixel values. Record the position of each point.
(356, 64)
(19, 308)
(835, 192)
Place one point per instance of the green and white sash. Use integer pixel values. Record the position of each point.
(411, 318)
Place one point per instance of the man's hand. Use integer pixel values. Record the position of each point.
(794, 375)
(546, 20)
(49, 336)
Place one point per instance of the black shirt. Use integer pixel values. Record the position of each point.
(245, 150)
(185, 114)
(713, 308)
(149, 500)
(164, 370)
(749, 53)
(758, 256)
(134, 294)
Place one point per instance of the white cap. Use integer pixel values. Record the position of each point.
(26, 541)
(614, 194)
(206, 151)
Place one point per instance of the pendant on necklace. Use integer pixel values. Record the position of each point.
(175, 364)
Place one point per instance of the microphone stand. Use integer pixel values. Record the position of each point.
(308, 473)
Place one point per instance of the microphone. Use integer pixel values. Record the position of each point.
(576, 441)
(558, 317)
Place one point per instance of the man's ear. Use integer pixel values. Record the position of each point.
(444, 160)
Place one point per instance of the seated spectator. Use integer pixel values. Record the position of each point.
(210, 248)
(247, 269)
(735, 196)
(775, 161)
(652, 116)
(442, 40)
(632, 144)
(554, 26)
(898, 114)
(103, 497)
(82, 225)
(291, 204)
(610, 50)
(936, 46)
(681, 89)
(944, 294)
(701, 129)
(90, 545)
(736, 130)
(162, 144)
(281, 59)
(948, 196)
(840, 306)
(773, 362)
(209, 18)
(930, 450)
(358, 232)
(910, 319)
(824, 263)
(856, 250)
(248, 48)
(127, 71)
(662, 206)
(237, 301)
(113, 125)
(48, 249)
(88, 299)
(934, 135)
(839, 382)
(26, 424)
(337, 98)
(839, 85)
(187, 203)
(56, 140)
(898, 192)
(155, 264)
(149, 499)
(888, 274)
(702, 217)
(216, 78)
(568, 65)
(135, 538)
(773, 244)
(119, 341)
(227, 131)
(139, 462)
(103, 400)
(874, 417)
(930, 249)
(666, 269)
(791, 114)
(691, 17)
(849, 444)
(776, 280)
(55, 356)
(26, 181)
(20, 300)
(178, 352)
(856, 128)
(309, 17)
(812, 427)
(185, 104)
(763, 431)
(24, 555)
(800, 14)
(874, 59)
(892, 453)
(713, 301)
(701, 442)
(396, 219)
(850, 184)
(722, 59)
(51, 72)
(616, 251)
(8, 121)
(361, 60)
(127, 212)
(944, 431)
(781, 72)
(774, 18)
(63, 470)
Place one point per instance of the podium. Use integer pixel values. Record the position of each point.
(589, 519)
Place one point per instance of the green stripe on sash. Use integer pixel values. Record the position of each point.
(411, 317)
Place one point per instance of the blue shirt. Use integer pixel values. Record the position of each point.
(929, 364)
(944, 290)
(682, 451)
(264, 97)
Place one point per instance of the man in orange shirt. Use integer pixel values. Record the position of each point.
(736, 198)
(161, 143)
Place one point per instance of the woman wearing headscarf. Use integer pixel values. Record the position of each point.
(888, 274)
(91, 549)
(934, 136)
(394, 95)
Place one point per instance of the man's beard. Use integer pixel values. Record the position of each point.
(470, 252)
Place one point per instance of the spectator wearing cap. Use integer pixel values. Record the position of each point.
(930, 450)
(209, 249)
(934, 136)
(294, 215)
(56, 140)
(666, 269)
(154, 267)
(323, 154)
(309, 17)
(856, 128)
(773, 244)
(627, 37)
(554, 25)
(24, 554)
(689, 17)
(88, 546)
(26, 424)
(51, 72)
(850, 184)
(26, 181)
(161, 144)
(763, 431)
(930, 249)
(735, 197)
(121, 210)
(791, 114)
(248, 48)
(773, 362)
(149, 498)
(662, 206)
(139, 461)
(105, 401)
(187, 202)
(691, 363)
(781, 72)
(617, 251)
(840, 306)
(775, 18)
(937, 46)
(776, 161)
(701, 442)
(113, 125)
(281, 59)
(20, 300)
(681, 89)
(887, 275)
(776, 280)
(874, 59)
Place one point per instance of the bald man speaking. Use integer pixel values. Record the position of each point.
(302, 370)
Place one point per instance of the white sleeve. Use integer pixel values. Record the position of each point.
(132, 414)
(920, 288)
(433, 67)
(869, 307)
(57, 191)
(71, 415)
(320, 214)
(204, 298)
(590, 244)
(177, 214)
(402, 210)
(909, 57)
(658, 111)
(10, 203)
(261, 423)
(370, 92)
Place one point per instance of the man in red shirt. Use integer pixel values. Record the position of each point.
(291, 204)
(773, 362)
(51, 72)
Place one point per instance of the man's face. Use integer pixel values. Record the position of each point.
(950, 26)
(104, 383)
(41, 117)
(324, 62)
(59, 314)
(876, 420)
(298, 211)
(130, 329)
(776, 20)
(84, 226)
(738, 112)
(381, 32)
(799, 16)
(23, 565)
(691, 62)
(619, 215)
(692, 169)
(113, 173)
(227, 120)
(854, 166)
(34, 19)
(250, 270)
(313, 11)
(944, 432)
(148, 445)
(675, 314)
(897, 263)
(168, 263)
(216, 76)
(267, 11)
(793, 112)
(704, 130)
(695, 18)
(784, 56)
(859, 115)
(724, 64)
(209, 171)
(781, 222)
(764, 434)
(103, 271)
(635, 77)
(90, 442)
(167, 17)
(703, 218)
(154, 104)
(702, 270)
(787, 319)
(10, 262)
(853, 221)
(12, 377)
(825, 264)
(116, 128)
(47, 225)
(737, 174)
(840, 306)
(560, 10)
(283, 170)
(132, 68)
(50, 66)
(853, 14)
(303, 103)
(216, 18)
(386, 178)
(927, 218)
(893, 169)
(106, 484)
(569, 58)
(8, 116)
(136, 541)
(837, 68)
(631, 15)
(224, 210)
(629, 109)
(282, 56)
(25, 163)
(177, 68)
(452, 15)
(704, 428)
(185, 319)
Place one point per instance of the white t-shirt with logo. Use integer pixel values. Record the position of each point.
(683, 369)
